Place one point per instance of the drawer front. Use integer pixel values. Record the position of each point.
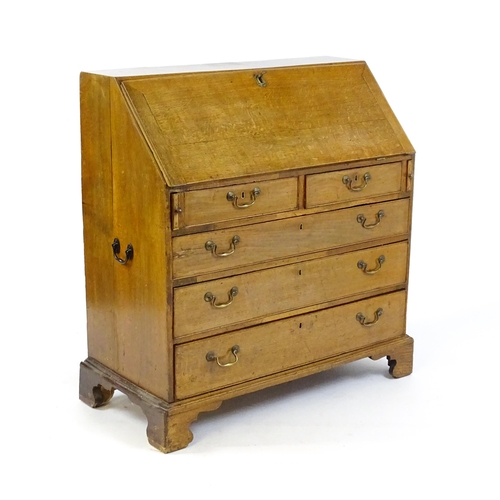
(237, 202)
(354, 184)
(285, 288)
(277, 346)
(227, 249)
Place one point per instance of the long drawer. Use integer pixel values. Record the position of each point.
(274, 347)
(213, 251)
(219, 303)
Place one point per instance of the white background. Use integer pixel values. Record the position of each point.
(352, 431)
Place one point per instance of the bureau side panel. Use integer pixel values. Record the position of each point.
(410, 173)
(97, 196)
(140, 207)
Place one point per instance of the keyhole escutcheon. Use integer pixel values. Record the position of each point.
(259, 78)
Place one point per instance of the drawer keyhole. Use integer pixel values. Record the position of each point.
(242, 194)
(259, 78)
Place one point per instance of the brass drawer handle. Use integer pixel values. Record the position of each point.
(129, 252)
(363, 321)
(348, 182)
(363, 265)
(211, 356)
(210, 297)
(362, 220)
(234, 198)
(210, 246)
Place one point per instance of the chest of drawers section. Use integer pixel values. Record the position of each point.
(262, 298)
(242, 229)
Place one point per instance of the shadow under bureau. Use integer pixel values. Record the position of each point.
(244, 225)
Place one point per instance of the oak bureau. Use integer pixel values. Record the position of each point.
(244, 225)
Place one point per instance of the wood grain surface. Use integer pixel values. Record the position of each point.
(324, 189)
(141, 213)
(285, 288)
(97, 198)
(160, 155)
(212, 205)
(284, 344)
(260, 243)
(220, 125)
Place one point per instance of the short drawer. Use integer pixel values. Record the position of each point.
(274, 347)
(215, 304)
(214, 251)
(235, 202)
(353, 184)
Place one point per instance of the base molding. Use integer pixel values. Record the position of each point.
(168, 423)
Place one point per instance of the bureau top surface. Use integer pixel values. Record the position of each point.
(227, 66)
(209, 125)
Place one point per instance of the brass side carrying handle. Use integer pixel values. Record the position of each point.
(232, 197)
(348, 182)
(210, 246)
(211, 356)
(362, 220)
(129, 252)
(362, 319)
(210, 297)
(363, 265)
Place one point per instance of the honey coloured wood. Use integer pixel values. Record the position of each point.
(355, 184)
(286, 288)
(230, 249)
(208, 126)
(287, 343)
(264, 216)
(237, 201)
